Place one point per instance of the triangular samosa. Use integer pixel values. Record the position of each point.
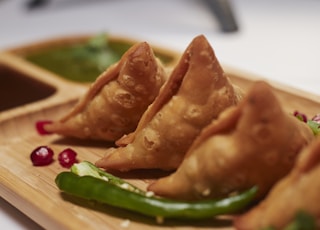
(115, 102)
(252, 144)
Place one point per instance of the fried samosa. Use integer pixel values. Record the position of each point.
(253, 143)
(196, 92)
(117, 99)
(297, 192)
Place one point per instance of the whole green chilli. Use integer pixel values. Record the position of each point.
(92, 188)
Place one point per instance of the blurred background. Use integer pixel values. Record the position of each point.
(277, 39)
(274, 39)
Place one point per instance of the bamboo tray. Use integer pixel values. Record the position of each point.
(32, 189)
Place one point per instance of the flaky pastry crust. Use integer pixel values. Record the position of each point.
(252, 144)
(196, 92)
(117, 99)
(299, 191)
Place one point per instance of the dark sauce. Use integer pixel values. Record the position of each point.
(17, 89)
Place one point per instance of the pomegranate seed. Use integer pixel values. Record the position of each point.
(40, 127)
(67, 158)
(42, 155)
(300, 116)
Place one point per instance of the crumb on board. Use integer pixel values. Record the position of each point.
(159, 219)
(125, 223)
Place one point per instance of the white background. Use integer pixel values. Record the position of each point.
(277, 39)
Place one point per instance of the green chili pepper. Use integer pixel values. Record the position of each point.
(86, 168)
(92, 188)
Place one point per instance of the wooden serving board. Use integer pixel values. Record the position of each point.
(32, 189)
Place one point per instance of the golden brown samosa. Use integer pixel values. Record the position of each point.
(297, 192)
(117, 99)
(196, 92)
(254, 143)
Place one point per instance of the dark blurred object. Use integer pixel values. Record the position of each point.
(224, 13)
(57, 4)
(32, 4)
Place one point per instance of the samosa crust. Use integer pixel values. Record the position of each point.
(196, 92)
(117, 99)
(254, 143)
(297, 192)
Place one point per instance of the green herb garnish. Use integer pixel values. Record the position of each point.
(315, 127)
(96, 52)
(302, 221)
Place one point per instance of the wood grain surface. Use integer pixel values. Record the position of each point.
(32, 189)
